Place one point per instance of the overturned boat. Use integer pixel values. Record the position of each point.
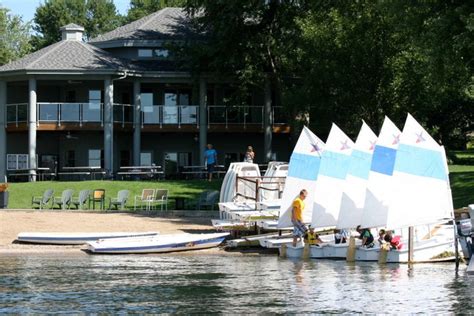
(75, 238)
(156, 244)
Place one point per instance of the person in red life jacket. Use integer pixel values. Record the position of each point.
(394, 241)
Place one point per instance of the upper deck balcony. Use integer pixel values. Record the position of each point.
(90, 116)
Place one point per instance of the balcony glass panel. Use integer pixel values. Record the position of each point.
(235, 114)
(170, 115)
(188, 114)
(91, 112)
(11, 113)
(22, 112)
(70, 112)
(128, 114)
(217, 114)
(151, 115)
(254, 115)
(48, 112)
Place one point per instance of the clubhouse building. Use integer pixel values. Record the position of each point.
(120, 100)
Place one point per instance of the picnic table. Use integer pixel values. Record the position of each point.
(41, 172)
(82, 172)
(201, 171)
(139, 172)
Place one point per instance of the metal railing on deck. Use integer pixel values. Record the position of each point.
(17, 113)
(69, 112)
(163, 115)
(242, 114)
(56, 112)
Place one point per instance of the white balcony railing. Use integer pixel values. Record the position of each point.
(174, 115)
(59, 113)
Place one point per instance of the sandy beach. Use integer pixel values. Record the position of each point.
(14, 222)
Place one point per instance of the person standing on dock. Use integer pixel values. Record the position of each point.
(210, 158)
(299, 228)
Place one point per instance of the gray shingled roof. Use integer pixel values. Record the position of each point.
(168, 23)
(67, 56)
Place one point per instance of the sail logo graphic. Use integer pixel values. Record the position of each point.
(315, 148)
(372, 145)
(420, 138)
(344, 145)
(396, 139)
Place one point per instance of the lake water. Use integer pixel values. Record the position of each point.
(227, 284)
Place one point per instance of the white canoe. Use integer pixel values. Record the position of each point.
(156, 244)
(75, 238)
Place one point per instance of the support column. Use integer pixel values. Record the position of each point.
(108, 126)
(202, 119)
(3, 131)
(32, 128)
(267, 122)
(137, 127)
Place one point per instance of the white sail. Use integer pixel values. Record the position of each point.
(420, 179)
(353, 196)
(379, 185)
(331, 178)
(303, 172)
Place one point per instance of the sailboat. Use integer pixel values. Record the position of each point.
(353, 192)
(303, 170)
(335, 163)
(417, 193)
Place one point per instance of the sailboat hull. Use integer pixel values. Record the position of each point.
(425, 251)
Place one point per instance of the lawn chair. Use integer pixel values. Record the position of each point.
(160, 198)
(207, 199)
(146, 197)
(63, 201)
(82, 199)
(98, 195)
(42, 200)
(120, 200)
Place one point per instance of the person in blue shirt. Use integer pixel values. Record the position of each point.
(210, 158)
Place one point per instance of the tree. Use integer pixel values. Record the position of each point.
(14, 37)
(96, 16)
(141, 8)
(247, 41)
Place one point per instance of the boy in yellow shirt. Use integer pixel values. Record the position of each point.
(299, 229)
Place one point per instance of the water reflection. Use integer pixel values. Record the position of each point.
(227, 284)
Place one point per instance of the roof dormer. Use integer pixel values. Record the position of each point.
(72, 32)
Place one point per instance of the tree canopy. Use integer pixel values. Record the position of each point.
(344, 61)
(141, 8)
(14, 37)
(96, 16)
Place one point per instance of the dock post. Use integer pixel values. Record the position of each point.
(410, 244)
(283, 250)
(351, 250)
(306, 251)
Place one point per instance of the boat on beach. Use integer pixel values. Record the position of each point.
(156, 244)
(63, 238)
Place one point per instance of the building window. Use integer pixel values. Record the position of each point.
(162, 53)
(70, 158)
(95, 157)
(146, 158)
(17, 161)
(145, 53)
(124, 158)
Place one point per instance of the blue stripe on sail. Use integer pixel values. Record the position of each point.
(360, 164)
(420, 162)
(383, 160)
(304, 166)
(334, 165)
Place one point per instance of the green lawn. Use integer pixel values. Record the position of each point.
(461, 177)
(21, 193)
